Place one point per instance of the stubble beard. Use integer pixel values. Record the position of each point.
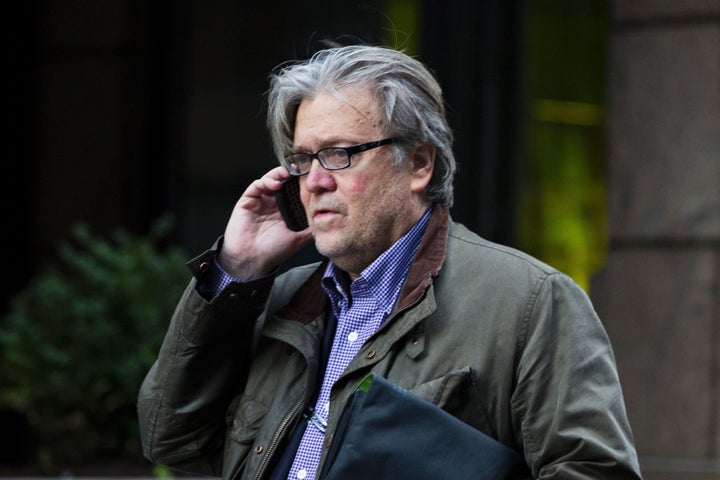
(353, 249)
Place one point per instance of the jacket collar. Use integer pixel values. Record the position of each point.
(429, 258)
(310, 300)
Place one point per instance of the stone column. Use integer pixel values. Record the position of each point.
(659, 294)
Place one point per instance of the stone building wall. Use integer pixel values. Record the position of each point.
(659, 294)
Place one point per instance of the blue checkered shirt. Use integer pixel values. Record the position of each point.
(360, 308)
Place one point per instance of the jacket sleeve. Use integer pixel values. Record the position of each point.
(568, 399)
(202, 365)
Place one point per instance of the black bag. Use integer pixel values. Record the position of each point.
(387, 432)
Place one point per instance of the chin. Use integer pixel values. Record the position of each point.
(330, 246)
(324, 245)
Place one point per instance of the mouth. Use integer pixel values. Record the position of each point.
(324, 213)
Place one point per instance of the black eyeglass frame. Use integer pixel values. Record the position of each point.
(349, 151)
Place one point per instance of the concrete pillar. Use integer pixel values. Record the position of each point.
(659, 294)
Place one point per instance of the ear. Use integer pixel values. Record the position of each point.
(422, 163)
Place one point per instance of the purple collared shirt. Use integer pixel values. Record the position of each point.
(360, 308)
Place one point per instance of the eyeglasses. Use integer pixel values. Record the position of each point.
(331, 158)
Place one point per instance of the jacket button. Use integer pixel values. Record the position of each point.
(204, 267)
(259, 449)
(233, 296)
(370, 354)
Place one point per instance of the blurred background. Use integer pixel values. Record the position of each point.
(587, 133)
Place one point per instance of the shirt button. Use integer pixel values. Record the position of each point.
(302, 474)
(352, 337)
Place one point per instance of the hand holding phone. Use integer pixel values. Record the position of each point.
(290, 206)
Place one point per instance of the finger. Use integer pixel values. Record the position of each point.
(268, 183)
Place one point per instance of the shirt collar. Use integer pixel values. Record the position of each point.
(311, 299)
(384, 277)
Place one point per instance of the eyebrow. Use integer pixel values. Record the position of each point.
(332, 142)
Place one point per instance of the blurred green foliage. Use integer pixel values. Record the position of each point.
(403, 25)
(77, 342)
(562, 203)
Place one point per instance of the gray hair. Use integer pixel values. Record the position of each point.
(410, 98)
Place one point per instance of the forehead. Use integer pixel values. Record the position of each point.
(350, 113)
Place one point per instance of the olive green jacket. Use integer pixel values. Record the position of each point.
(500, 340)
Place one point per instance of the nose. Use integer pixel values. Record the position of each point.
(318, 179)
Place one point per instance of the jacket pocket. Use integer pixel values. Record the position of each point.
(245, 416)
(447, 390)
(456, 393)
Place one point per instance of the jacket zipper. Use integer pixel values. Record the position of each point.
(276, 439)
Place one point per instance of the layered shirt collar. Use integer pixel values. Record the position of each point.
(382, 279)
(311, 299)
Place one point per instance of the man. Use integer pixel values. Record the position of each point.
(255, 370)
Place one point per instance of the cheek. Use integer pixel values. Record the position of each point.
(304, 197)
(304, 194)
(357, 192)
(357, 186)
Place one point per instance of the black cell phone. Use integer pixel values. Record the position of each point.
(290, 206)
